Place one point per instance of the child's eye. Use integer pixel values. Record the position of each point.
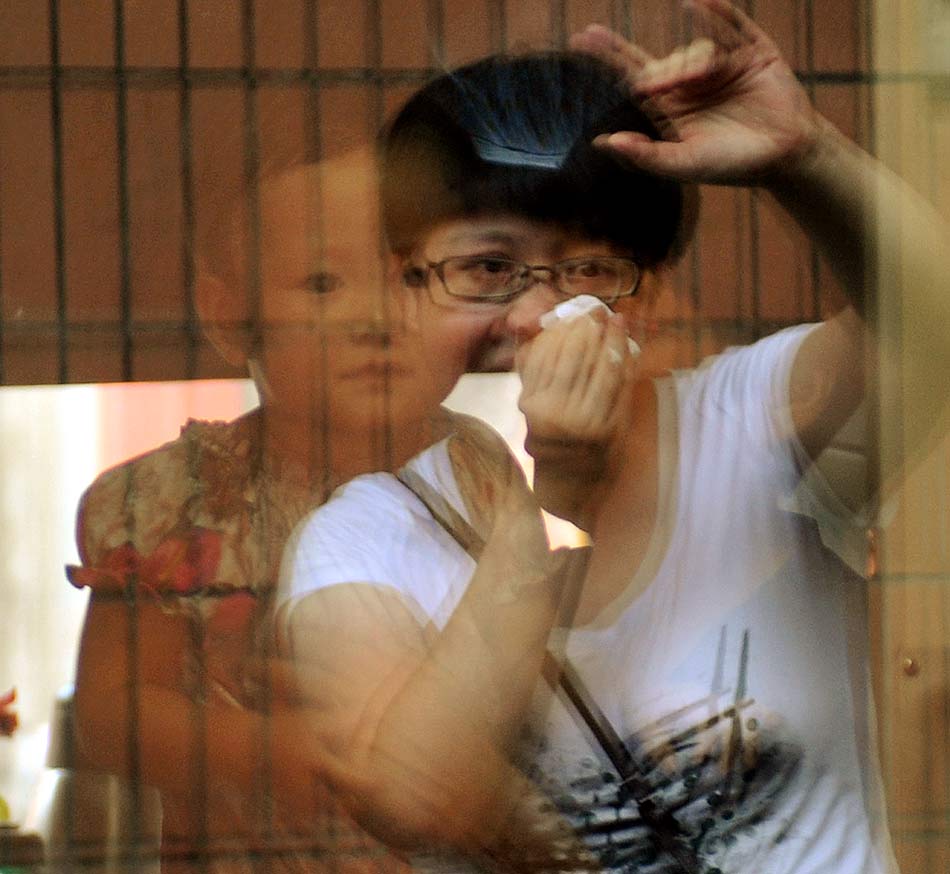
(322, 282)
(415, 277)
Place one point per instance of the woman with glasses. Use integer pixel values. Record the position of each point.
(419, 606)
(698, 701)
(420, 614)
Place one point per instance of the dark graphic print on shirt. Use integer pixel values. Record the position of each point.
(707, 777)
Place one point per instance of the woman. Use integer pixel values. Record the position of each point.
(433, 648)
(714, 679)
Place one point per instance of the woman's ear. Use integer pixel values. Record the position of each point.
(653, 283)
(222, 318)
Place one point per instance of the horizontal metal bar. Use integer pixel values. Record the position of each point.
(196, 78)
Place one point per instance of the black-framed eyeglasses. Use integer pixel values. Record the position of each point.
(490, 279)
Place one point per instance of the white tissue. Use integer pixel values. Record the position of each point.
(574, 308)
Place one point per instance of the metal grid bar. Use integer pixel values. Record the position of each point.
(814, 257)
(192, 326)
(59, 201)
(2, 326)
(498, 25)
(435, 27)
(384, 452)
(122, 145)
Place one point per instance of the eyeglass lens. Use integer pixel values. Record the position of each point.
(497, 278)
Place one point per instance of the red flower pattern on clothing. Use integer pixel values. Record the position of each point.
(185, 562)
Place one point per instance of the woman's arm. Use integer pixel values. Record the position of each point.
(731, 112)
(425, 720)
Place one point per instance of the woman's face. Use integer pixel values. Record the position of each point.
(466, 336)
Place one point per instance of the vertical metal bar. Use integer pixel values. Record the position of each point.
(680, 25)
(621, 17)
(192, 326)
(59, 207)
(374, 51)
(59, 224)
(251, 169)
(435, 25)
(198, 763)
(2, 369)
(125, 318)
(122, 144)
(755, 273)
(559, 23)
(252, 197)
(755, 276)
(870, 77)
(497, 25)
(320, 453)
(739, 203)
(800, 49)
(375, 60)
(815, 260)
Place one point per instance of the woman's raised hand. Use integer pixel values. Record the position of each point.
(728, 107)
(575, 396)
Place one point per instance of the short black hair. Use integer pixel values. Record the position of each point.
(513, 134)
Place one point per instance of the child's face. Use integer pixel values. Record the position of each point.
(332, 341)
(484, 336)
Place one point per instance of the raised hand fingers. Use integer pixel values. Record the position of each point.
(619, 53)
(682, 66)
(727, 20)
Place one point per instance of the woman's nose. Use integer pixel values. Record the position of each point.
(523, 314)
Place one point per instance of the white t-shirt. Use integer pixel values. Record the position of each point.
(738, 679)
(375, 530)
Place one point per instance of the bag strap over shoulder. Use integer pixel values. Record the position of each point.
(664, 827)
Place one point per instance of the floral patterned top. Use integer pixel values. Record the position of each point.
(197, 524)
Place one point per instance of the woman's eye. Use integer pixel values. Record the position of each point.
(323, 283)
(589, 269)
(486, 265)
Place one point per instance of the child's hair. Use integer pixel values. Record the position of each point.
(513, 135)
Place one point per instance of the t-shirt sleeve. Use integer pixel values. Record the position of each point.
(375, 532)
(753, 383)
(749, 387)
